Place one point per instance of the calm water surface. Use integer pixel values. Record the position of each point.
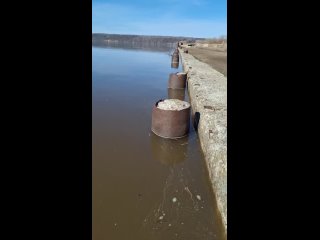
(144, 187)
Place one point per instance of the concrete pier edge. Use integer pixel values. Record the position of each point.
(208, 95)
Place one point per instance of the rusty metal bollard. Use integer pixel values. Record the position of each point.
(175, 52)
(177, 80)
(175, 59)
(171, 118)
(175, 55)
(176, 94)
(175, 64)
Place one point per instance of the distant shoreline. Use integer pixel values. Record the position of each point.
(151, 49)
(111, 35)
(137, 41)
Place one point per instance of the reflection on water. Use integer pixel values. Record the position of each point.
(135, 47)
(144, 187)
(168, 151)
(180, 212)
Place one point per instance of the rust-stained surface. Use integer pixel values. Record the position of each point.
(170, 123)
(177, 81)
(176, 94)
(174, 64)
(175, 56)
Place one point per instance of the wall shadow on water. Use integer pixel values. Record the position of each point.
(196, 119)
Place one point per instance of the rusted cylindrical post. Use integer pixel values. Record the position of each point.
(175, 53)
(175, 59)
(174, 64)
(176, 94)
(171, 118)
(175, 56)
(177, 80)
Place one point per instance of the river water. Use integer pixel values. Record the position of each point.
(144, 187)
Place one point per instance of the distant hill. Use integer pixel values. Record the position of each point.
(138, 41)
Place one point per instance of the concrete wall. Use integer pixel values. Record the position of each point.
(208, 94)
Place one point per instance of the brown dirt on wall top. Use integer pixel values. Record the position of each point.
(215, 58)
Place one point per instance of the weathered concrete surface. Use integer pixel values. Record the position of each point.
(208, 94)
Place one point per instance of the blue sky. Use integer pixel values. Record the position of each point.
(189, 18)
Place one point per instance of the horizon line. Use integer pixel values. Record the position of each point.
(158, 35)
